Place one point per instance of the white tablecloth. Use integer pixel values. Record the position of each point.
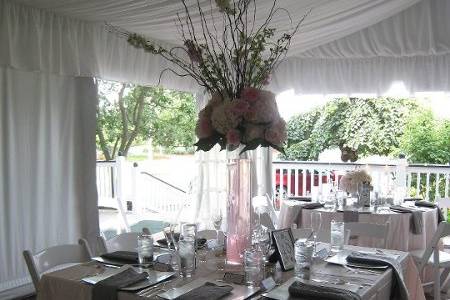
(399, 237)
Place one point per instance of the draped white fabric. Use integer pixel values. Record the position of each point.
(328, 21)
(47, 148)
(36, 40)
(412, 47)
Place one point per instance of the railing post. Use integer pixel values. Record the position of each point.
(120, 166)
(400, 178)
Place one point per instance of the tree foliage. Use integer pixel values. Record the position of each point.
(127, 114)
(426, 140)
(371, 126)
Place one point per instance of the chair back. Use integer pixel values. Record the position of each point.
(324, 236)
(444, 204)
(123, 242)
(209, 234)
(442, 231)
(55, 256)
(377, 231)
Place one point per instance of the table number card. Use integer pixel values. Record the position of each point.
(284, 244)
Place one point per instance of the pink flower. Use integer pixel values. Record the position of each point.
(240, 107)
(250, 94)
(276, 133)
(264, 111)
(203, 129)
(233, 137)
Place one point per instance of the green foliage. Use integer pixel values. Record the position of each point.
(129, 114)
(426, 140)
(372, 126)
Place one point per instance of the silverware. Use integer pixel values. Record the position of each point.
(148, 289)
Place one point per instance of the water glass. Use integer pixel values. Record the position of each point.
(303, 258)
(186, 249)
(316, 223)
(145, 248)
(253, 267)
(337, 236)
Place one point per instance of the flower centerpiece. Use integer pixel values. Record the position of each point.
(231, 51)
(353, 179)
(233, 64)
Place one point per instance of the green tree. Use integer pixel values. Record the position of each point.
(371, 126)
(128, 114)
(426, 140)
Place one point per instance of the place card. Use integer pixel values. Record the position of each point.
(268, 283)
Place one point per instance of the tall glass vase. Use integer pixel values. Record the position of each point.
(239, 206)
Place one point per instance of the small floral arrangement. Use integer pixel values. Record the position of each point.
(231, 55)
(350, 181)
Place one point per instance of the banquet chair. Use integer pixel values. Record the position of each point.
(210, 234)
(437, 259)
(56, 258)
(444, 204)
(324, 236)
(377, 231)
(123, 242)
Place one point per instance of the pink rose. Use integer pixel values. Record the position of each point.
(233, 137)
(203, 129)
(276, 133)
(250, 94)
(240, 107)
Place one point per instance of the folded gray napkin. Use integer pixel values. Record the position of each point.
(318, 291)
(208, 291)
(107, 288)
(416, 220)
(423, 203)
(300, 198)
(312, 205)
(399, 289)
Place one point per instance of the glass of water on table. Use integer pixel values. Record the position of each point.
(186, 249)
(337, 236)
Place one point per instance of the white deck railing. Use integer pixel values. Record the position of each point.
(124, 185)
(302, 177)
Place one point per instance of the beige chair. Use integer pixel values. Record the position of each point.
(55, 258)
(436, 258)
(376, 231)
(122, 242)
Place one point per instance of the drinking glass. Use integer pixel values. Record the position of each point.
(316, 223)
(303, 258)
(216, 219)
(145, 248)
(186, 249)
(253, 267)
(337, 236)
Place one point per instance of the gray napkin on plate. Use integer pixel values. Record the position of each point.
(423, 203)
(399, 289)
(416, 220)
(107, 288)
(208, 291)
(312, 205)
(318, 291)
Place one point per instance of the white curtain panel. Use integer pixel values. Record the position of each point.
(47, 167)
(412, 47)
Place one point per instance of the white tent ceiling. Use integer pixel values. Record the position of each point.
(344, 46)
(328, 21)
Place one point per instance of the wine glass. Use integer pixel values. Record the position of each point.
(216, 219)
(316, 223)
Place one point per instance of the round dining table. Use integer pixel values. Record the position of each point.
(400, 236)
